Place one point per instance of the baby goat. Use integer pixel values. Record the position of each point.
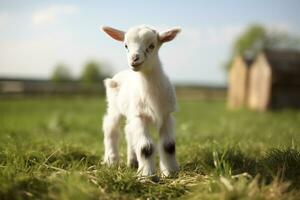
(145, 96)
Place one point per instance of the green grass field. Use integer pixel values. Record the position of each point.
(51, 148)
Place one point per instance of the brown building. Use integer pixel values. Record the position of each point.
(274, 80)
(238, 82)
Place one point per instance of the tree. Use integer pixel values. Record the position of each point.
(251, 42)
(91, 73)
(61, 73)
(257, 38)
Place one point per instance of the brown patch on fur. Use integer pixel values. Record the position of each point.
(110, 83)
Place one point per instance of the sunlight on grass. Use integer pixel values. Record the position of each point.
(51, 148)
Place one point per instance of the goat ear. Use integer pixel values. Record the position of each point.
(169, 35)
(114, 33)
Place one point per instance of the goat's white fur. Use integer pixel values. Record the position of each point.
(145, 97)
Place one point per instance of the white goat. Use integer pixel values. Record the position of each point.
(145, 96)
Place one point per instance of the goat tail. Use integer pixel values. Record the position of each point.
(111, 87)
(110, 83)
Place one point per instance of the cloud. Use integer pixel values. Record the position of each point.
(226, 35)
(283, 27)
(210, 35)
(38, 55)
(279, 26)
(213, 35)
(51, 14)
(3, 20)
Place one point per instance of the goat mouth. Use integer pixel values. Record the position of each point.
(136, 66)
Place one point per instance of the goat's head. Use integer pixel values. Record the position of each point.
(141, 43)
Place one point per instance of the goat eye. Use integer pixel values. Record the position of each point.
(151, 46)
(126, 46)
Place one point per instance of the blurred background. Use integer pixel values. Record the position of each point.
(231, 55)
(51, 47)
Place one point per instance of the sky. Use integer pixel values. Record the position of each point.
(37, 35)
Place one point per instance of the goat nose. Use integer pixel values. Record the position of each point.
(135, 57)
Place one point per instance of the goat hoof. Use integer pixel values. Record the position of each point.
(170, 173)
(110, 161)
(154, 178)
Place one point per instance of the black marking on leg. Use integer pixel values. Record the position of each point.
(169, 147)
(134, 163)
(147, 150)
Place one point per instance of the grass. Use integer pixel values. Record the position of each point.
(51, 148)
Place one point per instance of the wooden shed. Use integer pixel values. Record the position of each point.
(274, 80)
(238, 82)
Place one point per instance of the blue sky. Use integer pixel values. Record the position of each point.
(36, 35)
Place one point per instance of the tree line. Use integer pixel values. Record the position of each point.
(92, 73)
